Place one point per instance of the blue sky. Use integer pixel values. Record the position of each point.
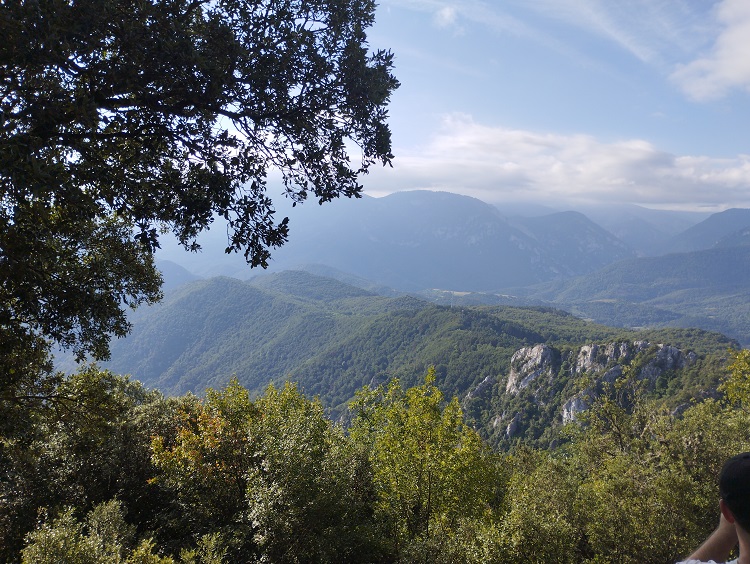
(566, 102)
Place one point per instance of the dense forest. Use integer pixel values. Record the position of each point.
(102, 470)
(332, 338)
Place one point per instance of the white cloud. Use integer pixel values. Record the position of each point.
(650, 30)
(600, 20)
(498, 164)
(445, 17)
(727, 65)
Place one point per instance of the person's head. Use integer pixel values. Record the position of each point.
(734, 488)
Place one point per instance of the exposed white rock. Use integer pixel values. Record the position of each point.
(529, 363)
(526, 365)
(589, 356)
(586, 358)
(667, 358)
(621, 352)
(496, 421)
(482, 387)
(574, 406)
(512, 429)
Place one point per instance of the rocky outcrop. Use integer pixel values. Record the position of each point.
(574, 406)
(512, 429)
(483, 387)
(603, 363)
(527, 364)
(595, 358)
(612, 374)
(495, 422)
(587, 359)
(667, 358)
(582, 400)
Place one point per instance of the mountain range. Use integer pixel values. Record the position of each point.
(415, 240)
(664, 268)
(380, 288)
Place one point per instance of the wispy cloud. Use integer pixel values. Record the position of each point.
(653, 31)
(727, 65)
(499, 164)
(656, 32)
(445, 16)
(475, 11)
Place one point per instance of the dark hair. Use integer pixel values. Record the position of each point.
(734, 488)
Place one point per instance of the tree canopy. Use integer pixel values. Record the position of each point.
(121, 120)
(132, 476)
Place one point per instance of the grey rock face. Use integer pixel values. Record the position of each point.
(594, 358)
(481, 388)
(667, 358)
(605, 363)
(526, 365)
(612, 374)
(574, 406)
(512, 428)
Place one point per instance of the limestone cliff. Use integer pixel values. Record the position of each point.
(603, 363)
(527, 364)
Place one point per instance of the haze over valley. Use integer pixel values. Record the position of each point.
(663, 268)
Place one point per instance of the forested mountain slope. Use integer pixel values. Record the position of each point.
(709, 232)
(709, 289)
(333, 338)
(208, 330)
(456, 250)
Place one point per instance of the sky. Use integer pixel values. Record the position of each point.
(570, 102)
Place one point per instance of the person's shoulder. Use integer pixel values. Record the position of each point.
(705, 562)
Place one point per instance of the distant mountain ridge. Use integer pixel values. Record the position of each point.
(454, 249)
(719, 227)
(395, 285)
(420, 239)
(458, 250)
(709, 289)
(416, 240)
(646, 231)
(643, 279)
(739, 238)
(574, 240)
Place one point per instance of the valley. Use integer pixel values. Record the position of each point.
(332, 339)
(419, 280)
